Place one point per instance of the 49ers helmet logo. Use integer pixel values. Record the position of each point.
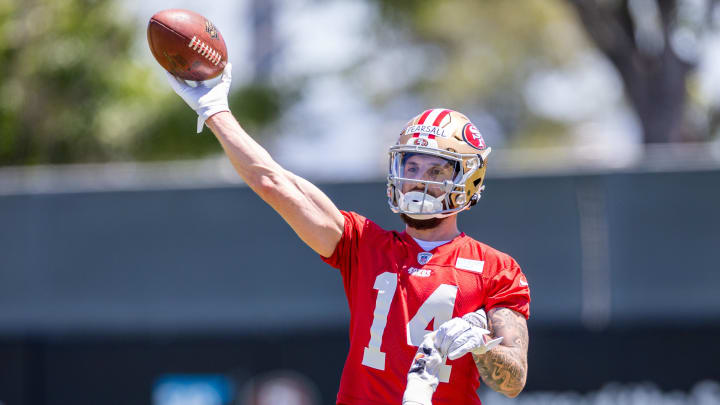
(420, 142)
(472, 136)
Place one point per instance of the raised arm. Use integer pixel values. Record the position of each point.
(504, 368)
(304, 207)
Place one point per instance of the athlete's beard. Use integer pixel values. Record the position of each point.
(421, 224)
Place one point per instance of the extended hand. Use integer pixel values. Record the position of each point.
(459, 336)
(206, 101)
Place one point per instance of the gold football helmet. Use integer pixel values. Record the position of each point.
(437, 166)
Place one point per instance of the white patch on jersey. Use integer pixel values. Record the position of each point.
(468, 264)
(414, 271)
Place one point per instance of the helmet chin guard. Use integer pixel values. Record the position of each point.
(437, 166)
(417, 203)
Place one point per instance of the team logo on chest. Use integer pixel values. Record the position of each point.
(423, 258)
(414, 271)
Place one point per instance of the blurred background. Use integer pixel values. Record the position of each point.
(136, 268)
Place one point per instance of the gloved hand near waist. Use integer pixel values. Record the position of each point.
(453, 339)
(459, 336)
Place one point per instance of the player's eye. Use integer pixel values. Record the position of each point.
(435, 172)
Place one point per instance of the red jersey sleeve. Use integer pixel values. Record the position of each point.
(359, 239)
(344, 255)
(508, 288)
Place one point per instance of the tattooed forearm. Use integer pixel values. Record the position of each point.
(504, 368)
(501, 371)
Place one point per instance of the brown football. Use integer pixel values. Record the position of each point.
(187, 44)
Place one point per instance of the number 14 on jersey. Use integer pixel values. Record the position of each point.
(438, 307)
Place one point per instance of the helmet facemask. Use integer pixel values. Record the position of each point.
(428, 183)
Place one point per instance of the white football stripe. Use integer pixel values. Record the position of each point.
(468, 264)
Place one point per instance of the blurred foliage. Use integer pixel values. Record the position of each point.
(655, 47)
(484, 53)
(171, 135)
(73, 90)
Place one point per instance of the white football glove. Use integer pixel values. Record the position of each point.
(459, 336)
(206, 101)
(422, 377)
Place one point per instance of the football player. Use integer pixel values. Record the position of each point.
(402, 285)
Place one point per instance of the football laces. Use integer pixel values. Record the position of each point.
(205, 50)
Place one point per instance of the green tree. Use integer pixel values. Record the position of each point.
(654, 45)
(73, 90)
(486, 50)
(479, 55)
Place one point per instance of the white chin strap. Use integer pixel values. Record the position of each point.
(419, 205)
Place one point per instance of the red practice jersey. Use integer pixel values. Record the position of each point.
(397, 293)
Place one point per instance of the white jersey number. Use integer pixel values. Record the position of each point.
(438, 307)
(386, 284)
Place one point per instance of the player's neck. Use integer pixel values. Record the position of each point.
(445, 230)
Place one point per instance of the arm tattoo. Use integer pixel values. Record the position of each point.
(504, 368)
